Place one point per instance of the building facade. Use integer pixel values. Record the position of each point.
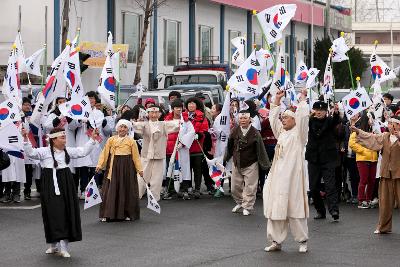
(194, 29)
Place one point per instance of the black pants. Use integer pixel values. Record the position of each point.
(29, 180)
(327, 172)
(82, 177)
(206, 173)
(195, 167)
(351, 166)
(12, 188)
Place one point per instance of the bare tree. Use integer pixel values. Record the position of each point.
(148, 7)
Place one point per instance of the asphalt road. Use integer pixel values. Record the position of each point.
(199, 233)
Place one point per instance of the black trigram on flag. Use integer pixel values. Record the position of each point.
(251, 90)
(13, 139)
(223, 120)
(109, 70)
(10, 105)
(78, 88)
(373, 58)
(350, 112)
(364, 104)
(240, 78)
(378, 106)
(387, 71)
(86, 115)
(83, 102)
(358, 94)
(273, 33)
(112, 97)
(71, 65)
(12, 116)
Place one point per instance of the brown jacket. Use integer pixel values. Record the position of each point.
(390, 165)
(247, 149)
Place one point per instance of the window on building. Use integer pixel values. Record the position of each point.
(171, 42)
(131, 34)
(306, 52)
(231, 49)
(205, 40)
(258, 40)
(358, 40)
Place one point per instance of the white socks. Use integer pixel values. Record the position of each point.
(64, 245)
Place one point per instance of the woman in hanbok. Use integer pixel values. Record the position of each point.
(120, 158)
(60, 205)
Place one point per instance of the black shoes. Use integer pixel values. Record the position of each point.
(320, 216)
(27, 196)
(335, 216)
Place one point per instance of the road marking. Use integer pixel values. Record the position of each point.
(20, 207)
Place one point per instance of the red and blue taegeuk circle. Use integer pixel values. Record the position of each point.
(376, 71)
(4, 112)
(276, 21)
(76, 109)
(302, 76)
(89, 193)
(283, 76)
(354, 103)
(109, 84)
(71, 78)
(47, 87)
(251, 75)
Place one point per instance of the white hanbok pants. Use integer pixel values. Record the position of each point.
(153, 172)
(277, 229)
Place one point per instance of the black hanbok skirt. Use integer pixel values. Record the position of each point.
(61, 214)
(120, 195)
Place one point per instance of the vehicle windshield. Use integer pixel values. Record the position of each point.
(195, 78)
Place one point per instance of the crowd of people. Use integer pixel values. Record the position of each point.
(290, 157)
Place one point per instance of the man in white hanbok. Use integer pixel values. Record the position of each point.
(285, 191)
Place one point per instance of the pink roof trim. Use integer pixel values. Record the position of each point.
(303, 12)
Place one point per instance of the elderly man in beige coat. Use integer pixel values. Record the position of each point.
(285, 191)
(155, 134)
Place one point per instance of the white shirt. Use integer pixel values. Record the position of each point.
(46, 160)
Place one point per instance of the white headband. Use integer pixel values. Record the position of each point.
(289, 113)
(244, 115)
(152, 109)
(57, 134)
(124, 122)
(394, 120)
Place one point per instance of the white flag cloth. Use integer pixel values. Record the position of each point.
(380, 70)
(20, 53)
(340, 49)
(116, 69)
(92, 194)
(266, 60)
(273, 20)
(11, 85)
(32, 63)
(239, 55)
(246, 80)
(77, 109)
(301, 73)
(109, 49)
(356, 101)
(327, 87)
(9, 111)
(279, 79)
(11, 139)
(96, 118)
(152, 203)
(55, 87)
(72, 75)
(222, 127)
(312, 76)
(107, 84)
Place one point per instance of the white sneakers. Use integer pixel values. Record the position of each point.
(237, 209)
(64, 254)
(52, 250)
(303, 247)
(246, 212)
(274, 247)
(278, 247)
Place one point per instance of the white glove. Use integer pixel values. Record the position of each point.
(196, 137)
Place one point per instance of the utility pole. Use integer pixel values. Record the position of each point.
(65, 23)
(328, 19)
(312, 34)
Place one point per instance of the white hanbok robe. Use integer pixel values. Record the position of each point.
(285, 190)
(15, 172)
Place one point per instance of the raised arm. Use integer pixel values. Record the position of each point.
(80, 152)
(171, 126)
(369, 140)
(302, 117)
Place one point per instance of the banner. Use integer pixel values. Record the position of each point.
(327, 87)
(312, 76)
(98, 58)
(380, 70)
(32, 63)
(356, 101)
(77, 109)
(301, 73)
(239, 55)
(11, 85)
(11, 140)
(339, 49)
